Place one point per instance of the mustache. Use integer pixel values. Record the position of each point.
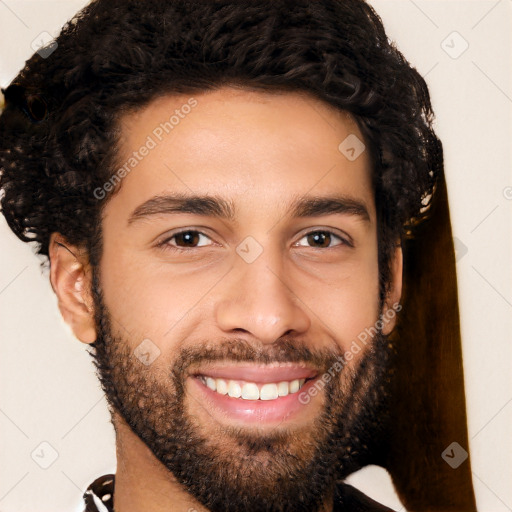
(284, 350)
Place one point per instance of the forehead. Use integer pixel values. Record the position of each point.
(262, 149)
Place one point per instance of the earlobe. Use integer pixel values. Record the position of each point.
(391, 306)
(71, 281)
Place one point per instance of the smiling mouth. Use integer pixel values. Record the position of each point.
(247, 390)
(251, 395)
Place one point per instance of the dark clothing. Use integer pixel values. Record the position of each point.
(99, 497)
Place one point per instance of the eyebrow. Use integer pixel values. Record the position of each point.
(215, 206)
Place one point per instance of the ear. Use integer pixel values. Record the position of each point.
(70, 277)
(392, 302)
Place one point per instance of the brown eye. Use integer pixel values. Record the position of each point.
(189, 239)
(323, 239)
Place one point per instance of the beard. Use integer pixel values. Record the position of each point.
(233, 469)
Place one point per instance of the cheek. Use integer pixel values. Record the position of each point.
(346, 299)
(151, 299)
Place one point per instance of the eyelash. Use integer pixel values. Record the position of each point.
(164, 244)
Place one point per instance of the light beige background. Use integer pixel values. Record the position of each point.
(48, 390)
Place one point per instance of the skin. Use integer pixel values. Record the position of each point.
(260, 151)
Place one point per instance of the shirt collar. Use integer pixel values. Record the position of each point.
(99, 496)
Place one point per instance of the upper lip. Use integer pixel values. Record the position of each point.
(258, 373)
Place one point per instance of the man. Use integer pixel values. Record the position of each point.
(223, 190)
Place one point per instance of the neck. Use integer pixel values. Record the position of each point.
(142, 482)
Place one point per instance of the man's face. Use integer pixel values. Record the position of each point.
(258, 303)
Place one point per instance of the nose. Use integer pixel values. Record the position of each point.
(257, 299)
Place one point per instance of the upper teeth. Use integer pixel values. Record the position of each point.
(251, 390)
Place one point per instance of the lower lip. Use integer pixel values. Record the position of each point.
(256, 412)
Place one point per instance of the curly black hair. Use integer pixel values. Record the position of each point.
(60, 127)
